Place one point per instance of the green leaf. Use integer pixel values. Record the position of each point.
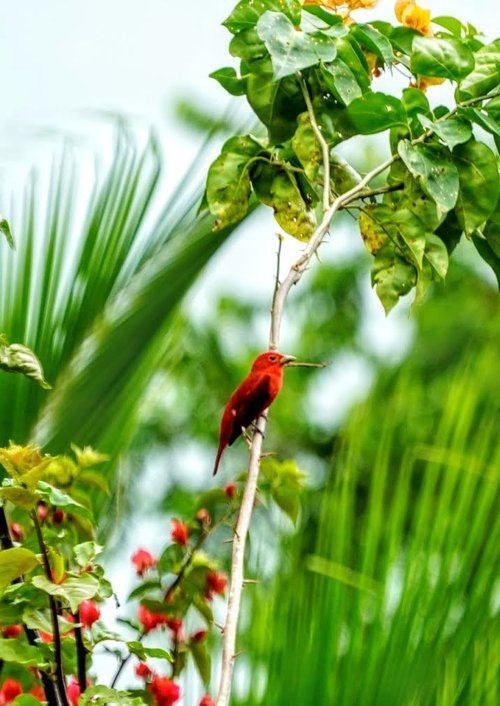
(14, 563)
(229, 79)
(492, 230)
(246, 14)
(342, 81)
(142, 652)
(202, 660)
(434, 171)
(479, 184)
(392, 276)
(73, 590)
(59, 498)
(86, 552)
(104, 696)
(375, 41)
(372, 231)
(276, 103)
(5, 230)
(25, 700)
(16, 358)
(485, 75)
(20, 497)
(450, 23)
(452, 131)
(483, 119)
(21, 653)
(248, 46)
(171, 559)
(376, 112)
(278, 188)
(445, 57)
(293, 50)
(415, 102)
(352, 55)
(286, 483)
(488, 254)
(329, 18)
(144, 588)
(228, 181)
(306, 147)
(436, 254)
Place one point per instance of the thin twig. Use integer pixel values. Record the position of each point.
(124, 661)
(325, 151)
(80, 654)
(61, 683)
(187, 563)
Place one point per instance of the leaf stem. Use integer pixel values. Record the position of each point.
(325, 151)
(60, 680)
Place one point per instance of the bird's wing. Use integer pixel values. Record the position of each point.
(251, 398)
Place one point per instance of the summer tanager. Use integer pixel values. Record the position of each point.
(255, 394)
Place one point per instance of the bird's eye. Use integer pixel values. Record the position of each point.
(273, 358)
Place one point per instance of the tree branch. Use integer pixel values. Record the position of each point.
(237, 564)
(80, 654)
(325, 151)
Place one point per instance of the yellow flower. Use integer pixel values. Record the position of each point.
(411, 15)
(423, 82)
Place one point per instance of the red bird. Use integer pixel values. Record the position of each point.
(255, 394)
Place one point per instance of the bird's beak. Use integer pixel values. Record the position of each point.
(286, 359)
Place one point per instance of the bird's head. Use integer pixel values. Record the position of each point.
(271, 359)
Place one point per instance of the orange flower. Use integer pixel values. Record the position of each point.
(423, 82)
(411, 15)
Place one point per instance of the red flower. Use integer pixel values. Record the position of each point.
(16, 531)
(42, 511)
(12, 631)
(199, 636)
(230, 490)
(37, 692)
(143, 670)
(175, 624)
(58, 516)
(149, 620)
(73, 690)
(143, 560)
(180, 533)
(165, 692)
(10, 689)
(216, 583)
(207, 701)
(89, 613)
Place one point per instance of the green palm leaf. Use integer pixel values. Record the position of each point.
(391, 593)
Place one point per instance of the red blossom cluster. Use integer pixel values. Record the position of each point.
(89, 613)
(180, 532)
(164, 691)
(143, 560)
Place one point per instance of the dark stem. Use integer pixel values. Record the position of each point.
(187, 563)
(80, 654)
(61, 683)
(31, 635)
(123, 662)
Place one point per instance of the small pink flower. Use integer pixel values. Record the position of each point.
(89, 613)
(216, 583)
(143, 670)
(73, 691)
(207, 701)
(165, 692)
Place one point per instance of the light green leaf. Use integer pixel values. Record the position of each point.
(436, 254)
(5, 230)
(479, 184)
(201, 657)
(59, 498)
(171, 559)
(20, 497)
(376, 112)
(246, 14)
(104, 696)
(481, 118)
(278, 188)
(392, 276)
(488, 254)
(21, 653)
(342, 83)
(73, 589)
(86, 552)
(292, 50)
(306, 146)
(434, 170)
(228, 180)
(142, 652)
(25, 700)
(15, 562)
(444, 57)
(16, 358)
(485, 75)
(452, 131)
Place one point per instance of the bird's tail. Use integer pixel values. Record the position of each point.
(217, 459)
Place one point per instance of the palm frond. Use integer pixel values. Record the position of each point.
(390, 596)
